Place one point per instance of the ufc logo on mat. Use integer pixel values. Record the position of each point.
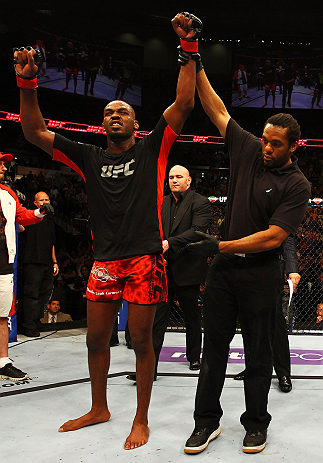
(116, 171)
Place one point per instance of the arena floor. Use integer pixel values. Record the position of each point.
(59, 389)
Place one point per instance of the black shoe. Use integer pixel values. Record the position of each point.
(200, 439)
(129, 345)
(195, 365)
(285, 383)
(12, 373)
(254, 441)
(31, 333)
(114, 341)
(239, 376)
(134, 377)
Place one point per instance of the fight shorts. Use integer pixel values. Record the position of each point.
(73, 71)
(141, 280)
(6, 294)
(271, 87)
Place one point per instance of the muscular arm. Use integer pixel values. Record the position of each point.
(212, 103)
(176, 114)
(32, 121)
(257, 242)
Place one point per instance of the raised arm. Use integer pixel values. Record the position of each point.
(212, 103)
(177, 113)
(32, 121)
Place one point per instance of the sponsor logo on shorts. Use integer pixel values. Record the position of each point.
(103, 293)
(102, 274)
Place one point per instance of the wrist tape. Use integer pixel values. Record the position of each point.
(27, 83)
(192, 47)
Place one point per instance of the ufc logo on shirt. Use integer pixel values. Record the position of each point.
(116, 171)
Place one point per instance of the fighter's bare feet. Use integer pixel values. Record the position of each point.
(138, 436)
(85, 420)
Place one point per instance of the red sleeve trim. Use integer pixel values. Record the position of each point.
(167, 142)
(60, 156)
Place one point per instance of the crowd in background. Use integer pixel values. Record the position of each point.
(67, 193)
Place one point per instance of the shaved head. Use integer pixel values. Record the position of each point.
(179, 180)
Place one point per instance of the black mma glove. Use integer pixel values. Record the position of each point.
(209, 246)
(38, 59)
(197, 26)
(187, 49)
(184, 56)
(46, 208)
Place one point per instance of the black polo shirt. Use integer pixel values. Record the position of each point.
(258, 196)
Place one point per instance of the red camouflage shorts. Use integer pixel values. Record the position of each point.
(140, 279)
(271, 87)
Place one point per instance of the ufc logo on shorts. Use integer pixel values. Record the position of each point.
(116, 171)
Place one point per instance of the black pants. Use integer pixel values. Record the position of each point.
(287, 92)
(281, 353)
(248, 288)
(188, 300)
(38, 286)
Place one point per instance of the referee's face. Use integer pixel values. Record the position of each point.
(276, 149)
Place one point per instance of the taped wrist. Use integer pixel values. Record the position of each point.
(190, 46)
(26, 83)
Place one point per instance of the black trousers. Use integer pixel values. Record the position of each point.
(249, 288)
(287, 92)
(188, 300)
(37, 289)
(281, 354)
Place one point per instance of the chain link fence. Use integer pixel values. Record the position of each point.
(301, 312)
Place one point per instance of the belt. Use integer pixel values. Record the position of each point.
(259, 255)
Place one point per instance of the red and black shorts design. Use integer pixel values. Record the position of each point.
(140, 279)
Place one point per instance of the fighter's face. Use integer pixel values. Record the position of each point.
(3, 169)
(275, 146)
(119, 121)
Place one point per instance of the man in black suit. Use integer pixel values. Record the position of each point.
(184, 211)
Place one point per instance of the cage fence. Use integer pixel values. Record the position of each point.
(301, 311)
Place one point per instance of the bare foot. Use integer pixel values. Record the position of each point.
(85, 420)
(138, 436)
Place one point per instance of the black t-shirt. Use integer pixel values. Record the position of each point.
(125, 192)
(38, 242)
(257, 196)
